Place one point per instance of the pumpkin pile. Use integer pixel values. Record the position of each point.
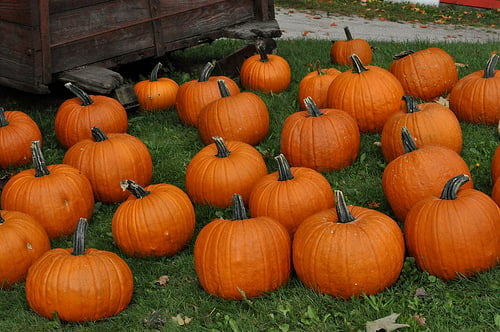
(295, 219)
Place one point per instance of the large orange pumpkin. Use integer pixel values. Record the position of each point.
(316, 84)
(348, 250)
(457, 233)
(243, 257)
(495, 165)
(370, 94)
(341, 50)
(156, 94)
(79, 284)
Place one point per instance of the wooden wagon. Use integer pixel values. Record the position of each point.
(43, 38)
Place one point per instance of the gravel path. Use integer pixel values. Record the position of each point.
(319, 25)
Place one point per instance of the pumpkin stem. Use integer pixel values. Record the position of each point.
(154, 72)
(239, 212)
(489, 71)
(358, 66)
(134, 188)
(223, 89)
(98, 134)
(284, 171)
(402, 54)
(311, 106)
(3, 119)
(79, 237)
(451, 187)
(348, 33)
(206, 72)
(408, 142)
(38, 160)
(222, 151)
(263, 54)
(2, 220)
(318, 69)
(84, 97)
(411, 104)
(343, 212)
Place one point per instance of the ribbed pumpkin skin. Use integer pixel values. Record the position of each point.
(413, 176)
(325, 143)
(477, 99)
(273, 75)
(315, 85)
(495, 193)
(348, 259)
(252, 255)
(241, 117)
(426, 74)
(371, 96)
(156, 95)
(74, 120)
(15, 139)
(341, 51)
(57, 201)
(213, 180)
(449, 236)
(432, 124)
(87, 287)
(291, 201)
(495, 165)
(23, 241)
(106, 163)
(159, 224)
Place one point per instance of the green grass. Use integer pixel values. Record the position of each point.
(468, 304)
(402, 12)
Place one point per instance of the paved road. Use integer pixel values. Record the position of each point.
(318, 25)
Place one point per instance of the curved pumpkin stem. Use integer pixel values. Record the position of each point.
(239, 212)
(451, 187)
(206, 72)
(411, 104)
(263, 54)
(98, 134)
(222, 151)
(348, 33)
(402, 54)
(343, 213)
(319, 70)
(79, 237)
(358, 66)
(311, 106)
(223, 89)
(154, 73)
(489, 71)
(3, 119)
(134, 188)
(82, 95)
(284, 172)
(408, 142)
(38, 160)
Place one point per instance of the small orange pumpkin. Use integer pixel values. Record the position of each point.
(316, 84)
(156, 93)
(341, 50)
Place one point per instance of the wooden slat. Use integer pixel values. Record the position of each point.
(154, 9)
(16, 11)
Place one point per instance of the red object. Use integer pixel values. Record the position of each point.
(493, 4)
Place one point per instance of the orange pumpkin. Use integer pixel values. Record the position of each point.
(341, 50)
(316, 84)
(156, 93)
(495, 165)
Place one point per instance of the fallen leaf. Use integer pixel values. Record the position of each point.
(419, 320)
(421, 293)
(162, 281)
(461, 65)
(182, 321)
(307, 32)
(423, 26)
(382, 18)
(377, 143)
(386, 324)
(333, 24)
(155, 320)
(373, 204)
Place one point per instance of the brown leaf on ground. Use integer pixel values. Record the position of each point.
(182, 321)
(386, 324)
(421, 293)
(162, 281)
(419, 320)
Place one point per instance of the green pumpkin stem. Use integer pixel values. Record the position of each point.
(206, 72)
(79, 237)
(223, 89)
(38, 160)
(98, 134)
(343, 213)
(348, 33)
(402, 54)
(408, 142)
(239, 212)
(263, 54)
(134, 188)
(284, 172)
(311, 106)
(3, 119)
(489, 71)
(358, 66)
(411, 104)
(82, 95)
(222, 151)
(451, 187)
(154, 73)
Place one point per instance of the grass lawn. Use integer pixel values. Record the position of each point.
(467, 304)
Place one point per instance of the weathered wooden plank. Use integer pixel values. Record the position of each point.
(93, 78)
(57, 6)
(16, 11)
